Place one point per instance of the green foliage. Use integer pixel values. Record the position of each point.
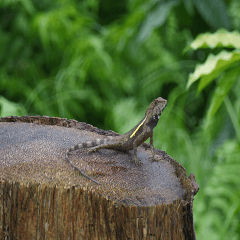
(221, 209)
(225, 64)
(233, 116)
(8, 108)
(225, 84)
(156, 19)
(220, 38)
(103, 63)
(213, 67)
(218, 216)
(213, 12)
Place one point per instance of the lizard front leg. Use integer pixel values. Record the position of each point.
(152, 148)
(136, 159)
(144, 135)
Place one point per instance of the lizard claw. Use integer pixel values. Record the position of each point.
(155, 158)
(137, 161)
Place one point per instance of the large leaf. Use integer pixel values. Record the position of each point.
(221, 38)
(156, 18)
(224, 85)
(213, 66)
(188, 4)
(214, 12)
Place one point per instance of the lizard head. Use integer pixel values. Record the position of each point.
(155, 109)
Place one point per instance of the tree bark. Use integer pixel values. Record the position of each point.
(41, 197)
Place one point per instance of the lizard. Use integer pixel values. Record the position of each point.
(128, 141)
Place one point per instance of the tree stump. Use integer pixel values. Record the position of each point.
(42, 197)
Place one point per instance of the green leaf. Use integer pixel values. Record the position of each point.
(214, 12)
(224, 85)
(156, 18)
(233, 117)
(8, 108)
(188, 4)
(213, 66)
(221, 38)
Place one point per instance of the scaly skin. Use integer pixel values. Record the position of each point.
(130, 140)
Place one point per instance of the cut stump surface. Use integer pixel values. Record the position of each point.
(32, 151)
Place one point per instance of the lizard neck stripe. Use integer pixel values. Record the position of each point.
(138, 127)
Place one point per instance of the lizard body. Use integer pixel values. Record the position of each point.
(130, 140)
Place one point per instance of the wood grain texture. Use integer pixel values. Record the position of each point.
(41, 197)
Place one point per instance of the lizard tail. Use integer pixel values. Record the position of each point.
(77, 169)
(94, 143)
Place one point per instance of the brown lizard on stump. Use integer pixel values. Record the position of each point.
(130, 140)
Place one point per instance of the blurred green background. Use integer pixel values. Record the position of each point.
(103, 62)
